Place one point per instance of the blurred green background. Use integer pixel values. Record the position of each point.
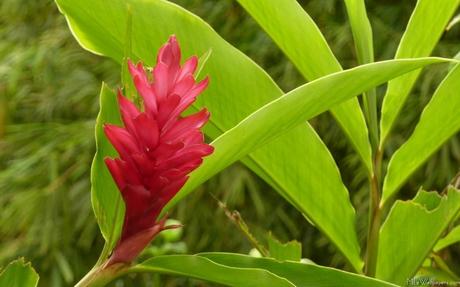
(49, 91)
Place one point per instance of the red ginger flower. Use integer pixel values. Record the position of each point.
(158, 148)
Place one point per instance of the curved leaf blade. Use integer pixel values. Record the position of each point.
(423, 31)
(238, 88)
(106, 199)
(287, 112)
(18, 274)
(438, 122)
(417, 224)
(361, 30)
(364, 46)
(203, 268)
(300, 274)
(312, 56)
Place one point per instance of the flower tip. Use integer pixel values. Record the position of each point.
(131, 65)
(172, 39)
(132, 68)
(210, 149)
(205, 81)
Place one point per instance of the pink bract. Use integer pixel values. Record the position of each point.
(158, 147)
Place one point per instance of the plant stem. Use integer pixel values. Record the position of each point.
(374, 218)
(102, 275)
(370, 112)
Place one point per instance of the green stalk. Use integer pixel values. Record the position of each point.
(102, 275)
(375, 213)
(370, 112)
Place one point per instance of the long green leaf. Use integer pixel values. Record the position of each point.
(288, 112)
(294, 108)
(18, 274)
(300, 39)
(205, 269)
(451, 238)
(410, 232)
(361, 30)
(300, 274)
(107, 203)
(425, 27)
(438, 122)
(238, 87)
(364, 46)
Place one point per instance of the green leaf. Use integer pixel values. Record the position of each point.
(438, 122)
(361, 30)
(294, 108)
(291, 250)
(288, 112)
(425, 27)
(300, 39)
(300, 274)
(451, 238)
(203, 268)
(18, 274)
(107, 202)
(362, 35)
(238, 88)
(410, 232)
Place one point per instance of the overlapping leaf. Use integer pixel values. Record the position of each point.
(425, 27)
(438, 122)
(312, 184)
(300, 39)
(288, 112)
(364, 46)
(238, 87)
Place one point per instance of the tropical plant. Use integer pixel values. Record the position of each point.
(254, 122)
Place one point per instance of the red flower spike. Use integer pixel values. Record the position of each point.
(157, 147)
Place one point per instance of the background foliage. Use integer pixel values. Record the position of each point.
(48, 103)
